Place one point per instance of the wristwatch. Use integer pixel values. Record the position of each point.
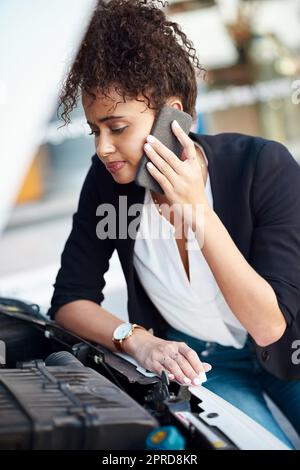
(122, 332)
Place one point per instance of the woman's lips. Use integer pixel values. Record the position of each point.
(115, 166)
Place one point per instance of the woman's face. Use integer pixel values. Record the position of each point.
(120, 132)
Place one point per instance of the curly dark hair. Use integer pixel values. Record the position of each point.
(131, 46)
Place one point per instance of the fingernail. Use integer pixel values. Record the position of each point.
(148, 147)
(202, 377)
(151, 139)
(186, 380)
(150, 165)
(171, 376)
(197, 381)
(208, 367)
(176, 123)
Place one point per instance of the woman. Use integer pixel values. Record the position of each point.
(235, 290)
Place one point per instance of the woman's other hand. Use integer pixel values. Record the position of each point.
(180, 362)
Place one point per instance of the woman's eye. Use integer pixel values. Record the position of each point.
(115, 131)
(118, 130)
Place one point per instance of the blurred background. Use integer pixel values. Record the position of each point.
(251, 50)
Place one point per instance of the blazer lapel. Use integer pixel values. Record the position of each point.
(218, 175)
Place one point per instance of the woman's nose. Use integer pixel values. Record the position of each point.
(105, 146)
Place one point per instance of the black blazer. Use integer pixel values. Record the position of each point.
(256, 193)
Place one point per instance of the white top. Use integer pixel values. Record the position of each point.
(196, 307)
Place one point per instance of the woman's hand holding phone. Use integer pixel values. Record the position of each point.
(181, 179)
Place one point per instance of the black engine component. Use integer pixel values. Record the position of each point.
(60, 391)
(20, 339)
(61, 404)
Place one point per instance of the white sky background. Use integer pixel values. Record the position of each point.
(36, 38)
(281, 17)
(206, 27)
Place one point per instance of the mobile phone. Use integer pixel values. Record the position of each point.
(162, 130)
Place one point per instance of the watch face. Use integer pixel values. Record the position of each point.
(122, 331)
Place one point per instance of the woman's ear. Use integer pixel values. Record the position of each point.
(175, 103)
